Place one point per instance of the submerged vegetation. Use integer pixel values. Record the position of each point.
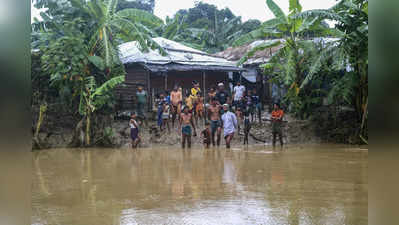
(75, 63)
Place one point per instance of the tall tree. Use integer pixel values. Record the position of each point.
(211, 29)
(146, 5)
(291, 58)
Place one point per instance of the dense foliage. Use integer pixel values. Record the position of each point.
(313, 70)
(146, 5)
(207, 28)
(75, 58)
(77, 41)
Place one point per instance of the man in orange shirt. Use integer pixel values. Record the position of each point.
(277, 120)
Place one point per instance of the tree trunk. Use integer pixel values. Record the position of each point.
(42, 113)
(88, 128)
(78, 136)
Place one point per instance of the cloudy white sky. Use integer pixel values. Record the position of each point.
(247, 9)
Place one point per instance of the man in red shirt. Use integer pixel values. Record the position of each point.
(277, 120)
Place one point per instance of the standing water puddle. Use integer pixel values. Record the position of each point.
(319, 184)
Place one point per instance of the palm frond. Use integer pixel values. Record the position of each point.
(272, 23)
(108, 86)
(136, 15)
(103, 93)
(258, 48)
(276, 10)
(295, 6)
(343, 88)
(289, 69)
(250, 37)
(107, 50)
(111, 7)
(321, 14)
(145, 41)
(97, 61)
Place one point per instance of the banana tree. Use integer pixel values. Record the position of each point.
(217, 37)
(351, 51)
(79, 50)
(289, 31)
(111, 27)
(94, 98)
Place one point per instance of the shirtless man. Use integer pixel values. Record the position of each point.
(214, 117)
(186, 122)
(176, 100)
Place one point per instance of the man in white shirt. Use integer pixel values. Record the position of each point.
(238, 93)
(229, 121)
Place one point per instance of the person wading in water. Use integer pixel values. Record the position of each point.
(186, 122)
(277, 121)
(214, 117)
(176, 100)
(134, 131)
(229, 121)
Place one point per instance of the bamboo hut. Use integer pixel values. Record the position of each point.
(157, 73)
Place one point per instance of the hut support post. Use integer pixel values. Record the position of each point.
(204, 88)
(149, 107)
(166, 81)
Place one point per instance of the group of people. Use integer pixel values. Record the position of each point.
(218, 111)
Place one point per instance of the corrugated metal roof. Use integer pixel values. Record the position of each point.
(177, 53)
(260, 57)
(180, 67)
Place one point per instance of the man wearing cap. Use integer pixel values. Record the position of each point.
(229, 121)
(222, 95)
(238, 93)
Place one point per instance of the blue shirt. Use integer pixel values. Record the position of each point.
(255, 99)
(167, 99)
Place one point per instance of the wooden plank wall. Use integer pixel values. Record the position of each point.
(185, 79)
(138, 75)
(126, 95)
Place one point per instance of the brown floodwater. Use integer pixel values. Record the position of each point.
(315, 184)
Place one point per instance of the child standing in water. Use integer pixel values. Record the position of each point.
(206, 135)
(134, 131)
(165, 116)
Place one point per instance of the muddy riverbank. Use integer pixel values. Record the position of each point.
(57, 132)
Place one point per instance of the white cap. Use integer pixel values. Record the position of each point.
(220, 84)
(227, 105)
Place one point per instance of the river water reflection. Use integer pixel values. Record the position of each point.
(320, 184)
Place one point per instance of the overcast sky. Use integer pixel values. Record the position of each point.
(247, 9)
